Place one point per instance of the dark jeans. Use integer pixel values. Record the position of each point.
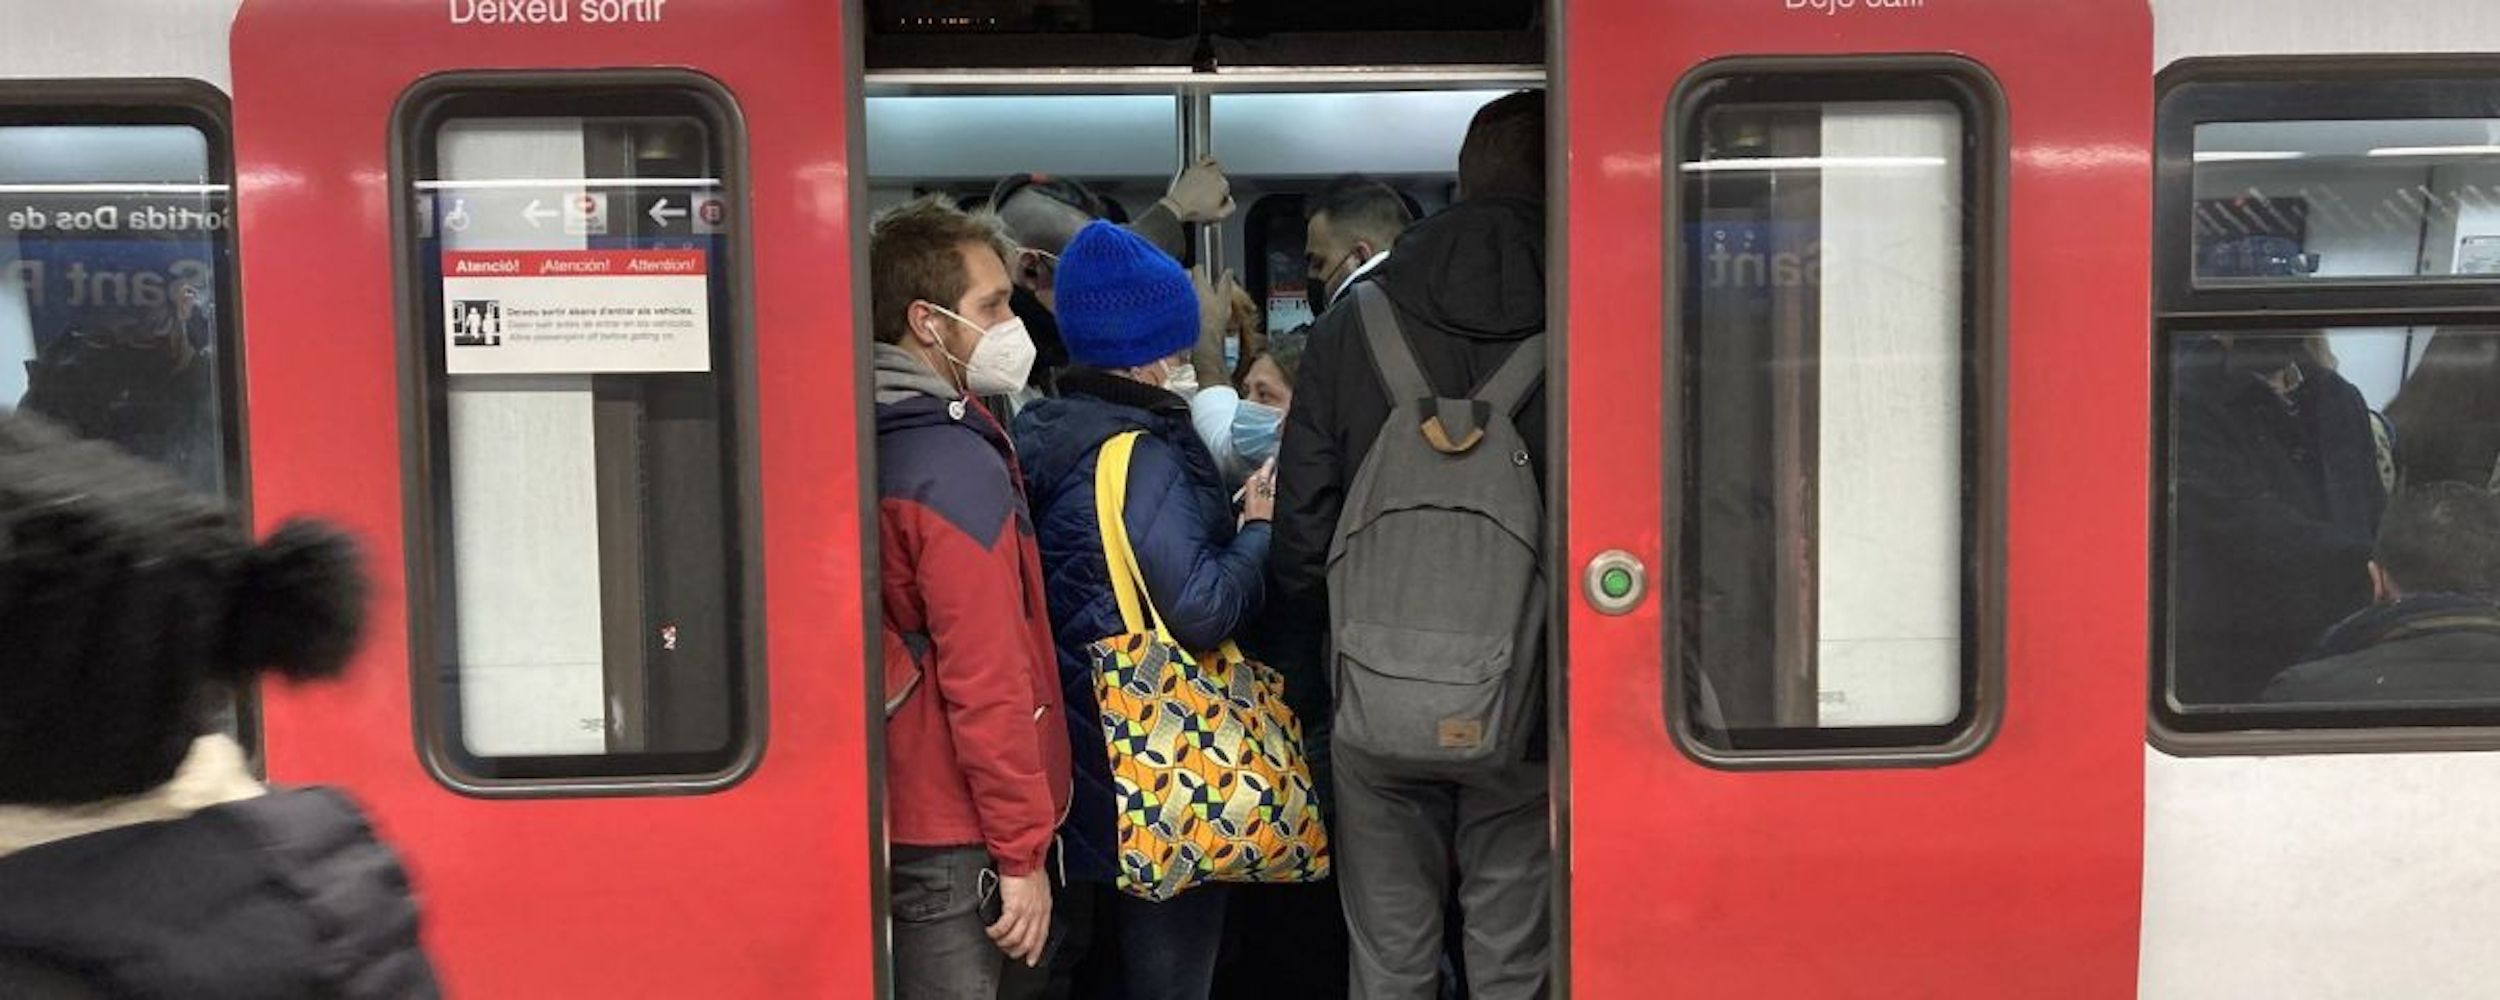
(1283, 941)
(1168, 949)
(942, 948)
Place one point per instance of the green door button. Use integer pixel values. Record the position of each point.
(1615, 582)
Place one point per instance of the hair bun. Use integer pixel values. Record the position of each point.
(299, 605)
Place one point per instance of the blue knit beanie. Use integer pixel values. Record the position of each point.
(1121, 302)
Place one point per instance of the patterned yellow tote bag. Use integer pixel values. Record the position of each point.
(1206, 760)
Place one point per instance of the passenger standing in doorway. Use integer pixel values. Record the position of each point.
(138, 855)
(1283, 940)
(1043, 213)
(1467, 286)
(1129, 315)
(976, 753)
(1240, 433)
(1347, 230)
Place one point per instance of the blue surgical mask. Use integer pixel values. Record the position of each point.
(1256, 427)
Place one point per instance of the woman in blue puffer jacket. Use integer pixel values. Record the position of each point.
(1129, 315)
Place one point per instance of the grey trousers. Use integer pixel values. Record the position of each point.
(1400, 829)
(942, 948)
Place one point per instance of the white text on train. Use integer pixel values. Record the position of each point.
(102, 286)
(134, 218)
(1836, 6)
(556, 11)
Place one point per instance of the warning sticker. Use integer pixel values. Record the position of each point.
(528, 312)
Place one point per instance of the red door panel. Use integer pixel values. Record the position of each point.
(2015, 872)
(765, 888)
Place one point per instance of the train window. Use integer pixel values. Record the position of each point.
(586, 601)
(1113, 142)
(1273, 271)
(2287, 451)
(1281, 147)
(1836, 417)
(2327, 559)
(116, 277)
(2309, 200)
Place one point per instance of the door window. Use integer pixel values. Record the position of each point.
(586, 605)
(1834, 561)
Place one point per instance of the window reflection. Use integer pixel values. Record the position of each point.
(2289, 200)
(112, 239)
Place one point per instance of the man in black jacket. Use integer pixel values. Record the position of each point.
(1469, 286)
(1347, 230)
(2434, 634)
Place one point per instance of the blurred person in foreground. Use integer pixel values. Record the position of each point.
(138, 855)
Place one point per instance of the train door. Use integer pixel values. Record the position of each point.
(1855, 542)
(549, 301)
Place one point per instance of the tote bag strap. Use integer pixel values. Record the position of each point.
(1128, 579)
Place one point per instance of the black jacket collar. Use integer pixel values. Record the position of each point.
(1121, 390)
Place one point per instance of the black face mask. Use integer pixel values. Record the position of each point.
(1050, 352)
(1316, 289)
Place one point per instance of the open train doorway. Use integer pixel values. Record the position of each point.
(1276, 172)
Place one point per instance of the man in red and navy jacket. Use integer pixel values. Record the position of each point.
(976, 747)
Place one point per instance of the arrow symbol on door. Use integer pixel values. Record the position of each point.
(536, 213)
(661, 213)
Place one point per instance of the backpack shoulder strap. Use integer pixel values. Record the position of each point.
(1508, 387)
(1391, 354)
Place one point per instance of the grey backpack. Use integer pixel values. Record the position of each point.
(1436, 577)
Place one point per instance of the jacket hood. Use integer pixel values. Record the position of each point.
(910, 396)
(901, 376)
(1476, 270)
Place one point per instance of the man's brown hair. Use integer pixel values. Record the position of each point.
(913, 256)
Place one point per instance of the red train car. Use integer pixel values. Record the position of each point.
(1871, 320)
